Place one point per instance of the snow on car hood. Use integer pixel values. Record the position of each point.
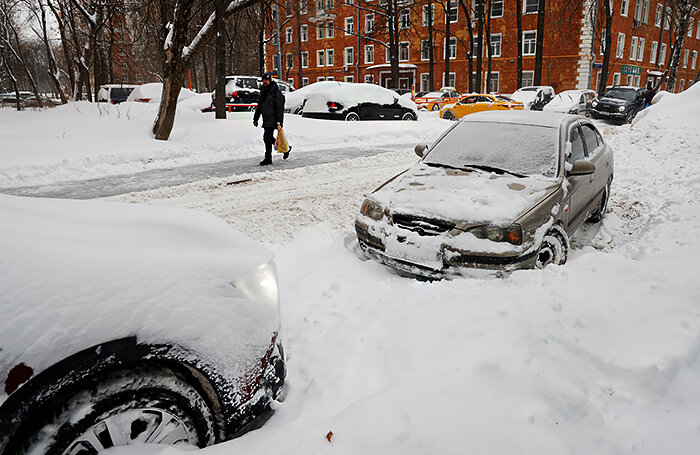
(353, 94)
(79, 273)
(296, 98)
(469, 196)
(562, 103)
(613, 101)
(154, 91)
(525, 97)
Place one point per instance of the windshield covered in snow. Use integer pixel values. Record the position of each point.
(246, 82)
(499, 147)
(621, 94)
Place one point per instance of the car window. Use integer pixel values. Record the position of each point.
(247, 82)
(591, 139)
(468, 100)
(485, 99)
(576, 141)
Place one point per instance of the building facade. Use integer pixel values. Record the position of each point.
(346, 40)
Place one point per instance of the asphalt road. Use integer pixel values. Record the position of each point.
(148, 180)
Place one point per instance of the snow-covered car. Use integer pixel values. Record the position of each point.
(534, 97)
(242, 94)
(498, 190)
(359, 102)
(572, 102)
(620, 104)
(433, 101)
(114, 93)
(285, 87)
(125, 323)
(153, 91)
(294, 102)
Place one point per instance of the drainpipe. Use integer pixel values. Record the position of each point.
(357, 28)
(595, 24)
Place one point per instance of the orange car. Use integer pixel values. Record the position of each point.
(433, 101)
(477, 103)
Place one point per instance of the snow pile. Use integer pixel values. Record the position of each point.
(599, 356)
(295, 99)
(677, 110)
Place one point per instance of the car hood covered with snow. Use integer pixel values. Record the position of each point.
(467, 196)
(349, 95)
(76, 274)
(295, 99)
(563, 102)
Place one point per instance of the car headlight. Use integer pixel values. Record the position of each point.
(594, 104)
(372, 209)
(511, 234)
(260, 284)
(572, 111)
(621, 108)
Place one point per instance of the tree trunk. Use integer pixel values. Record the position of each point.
(519, 22)
(393, 42)
(603, 80)
(539, 42)
(684, 11)
(446, 77)
(470, 32)
(431, 50)
(488, 48)
(53, 66)
(300, 70)
(479, 44)
(220, 99)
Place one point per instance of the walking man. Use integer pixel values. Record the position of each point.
(271, 107)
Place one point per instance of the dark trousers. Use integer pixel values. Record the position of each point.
(269, 139)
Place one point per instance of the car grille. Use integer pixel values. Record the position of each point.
(421, 225)
(607, 107)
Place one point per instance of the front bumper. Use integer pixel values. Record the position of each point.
(324, 115)
(609, 115)
(454, 263)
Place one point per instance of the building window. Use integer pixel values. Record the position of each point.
(369, 79)
(530, 6)
(492, 84)
(369, 53)
(645, 11)
(319, 7)
(691, 22)
(659, 14)
(685, 58)
(628, 80)
(424, 82)
(349, 25)
(369, 23)
(624, 8)
(330, 4)
(274, 62)
(428, 15)
(693, 60)
(640, 53)
(654, 49)
(496, 45)
(425, 49)
(638, 10)
(330, 78)
(349, 79)
(348, 56)
(662, 54)
(637, 80)
(602, 41)
(450, 82)
(528, 78)
(633, 48)
(288, 35)
(450, 50)
(403, 51)
(404, 18)
(320, 31)
(667, 19)
(682, 85)
(330, 29)
(330, 57)
(529, 42)
(304, 59)
(697, 34)
(290, 61)
(304, 7)
(304, 81)
(320, 79)
(320, 58)
(291, 81)
(274, 39)
(304, 33)
(620, 45)
(452, 11)
(616, 79)
(496, 8)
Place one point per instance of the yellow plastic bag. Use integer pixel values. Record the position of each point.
(282, 145)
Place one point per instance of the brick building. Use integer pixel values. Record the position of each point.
(571, 46)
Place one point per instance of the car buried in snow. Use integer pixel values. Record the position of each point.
(353, 102)
(498, 190)
(125, 324)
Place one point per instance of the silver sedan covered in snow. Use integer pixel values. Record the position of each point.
(499, 190)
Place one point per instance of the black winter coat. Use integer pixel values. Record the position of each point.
(270, 106)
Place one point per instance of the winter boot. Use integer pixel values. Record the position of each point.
(266, 162)
(286, 154)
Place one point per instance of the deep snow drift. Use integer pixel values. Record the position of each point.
(600, 356)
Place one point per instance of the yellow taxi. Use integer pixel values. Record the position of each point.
(478, 102)
(433, 101)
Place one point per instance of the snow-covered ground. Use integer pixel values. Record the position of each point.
(85, 140)
(600, 356)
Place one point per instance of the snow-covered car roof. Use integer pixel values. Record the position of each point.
(536, 118)
(566, 100)
(295, 99)
(353, 94)
(153, 92)
(76, 274)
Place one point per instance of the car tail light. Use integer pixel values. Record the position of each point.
(333, 106)
(111, 101)
(144, 100)
(234, 94)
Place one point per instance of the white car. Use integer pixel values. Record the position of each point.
(534, 97)
(354, 102)
(572, 102)
(153, 92)
(294, 102)
(126, 323)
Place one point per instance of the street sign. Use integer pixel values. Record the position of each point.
(631, 69)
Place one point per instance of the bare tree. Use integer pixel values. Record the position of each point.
(539, 43)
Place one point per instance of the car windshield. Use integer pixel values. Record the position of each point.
(621, 94)
(509, 147)
(121, 92)
(506, 99)
(433, 95)
(247, 82)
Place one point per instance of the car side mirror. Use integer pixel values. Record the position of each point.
(420, 149)
(582, 167)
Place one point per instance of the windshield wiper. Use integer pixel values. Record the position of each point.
(497, 170)
(446, 166)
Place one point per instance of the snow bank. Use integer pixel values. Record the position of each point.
(153, 92)
(681, 110)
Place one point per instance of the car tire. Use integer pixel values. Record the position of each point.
(554, 248)
(602, 207)
(435, 107)
(448, 115)
(352, 117)
(152, 405)
(408, 116)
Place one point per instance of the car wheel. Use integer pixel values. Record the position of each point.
(352, 117)
(554, 248)
(408, 116)
(136, 406)
(600, 210)
(448, 115)
(629, 117)
(435, 107)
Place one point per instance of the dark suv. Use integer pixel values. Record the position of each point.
(619, 104)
